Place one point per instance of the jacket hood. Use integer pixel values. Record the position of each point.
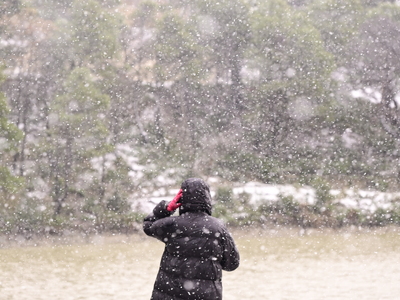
(195, 196)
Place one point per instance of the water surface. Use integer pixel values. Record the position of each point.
(275, 264)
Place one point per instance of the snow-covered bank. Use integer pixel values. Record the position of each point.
(256, 192)
(259, 193)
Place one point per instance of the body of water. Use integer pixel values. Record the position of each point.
(275, 264)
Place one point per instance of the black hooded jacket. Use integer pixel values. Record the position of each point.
(197, 247)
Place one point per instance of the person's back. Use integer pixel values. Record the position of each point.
(197, 246)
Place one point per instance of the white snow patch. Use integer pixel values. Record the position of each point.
(350, 138)
(37, 195)
(260, 193)
(366, 200)
(301, 109)
(368, 94)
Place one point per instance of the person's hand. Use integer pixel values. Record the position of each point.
(174, 203)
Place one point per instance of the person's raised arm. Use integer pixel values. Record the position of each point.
(154, 224)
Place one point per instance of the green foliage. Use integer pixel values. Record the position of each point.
(224, 196)
(288, 212)
(93, 34)
(10, 188)
(386, 9)
(117, 204)
(82, 109)
(337, 21)
(246, 90)
(79, 133)
(10, 135)
(113, 215)
(177, 54)
(233, 210)
(323, 197)
(224, 28)
(290, 50)
(25, 218)
(9, 7)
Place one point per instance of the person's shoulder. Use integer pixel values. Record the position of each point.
(218, 223)
(217, 220)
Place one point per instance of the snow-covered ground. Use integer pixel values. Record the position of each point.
(258, 193)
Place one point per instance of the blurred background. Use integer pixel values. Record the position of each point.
(107, 104)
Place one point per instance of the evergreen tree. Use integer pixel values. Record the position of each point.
(78, 134)
(10, 135)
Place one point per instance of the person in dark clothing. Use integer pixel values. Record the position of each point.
(197, 246)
